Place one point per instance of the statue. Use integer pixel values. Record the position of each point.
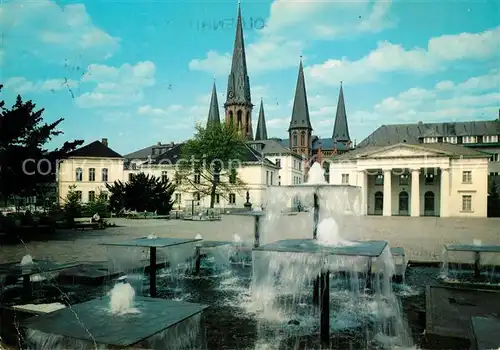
(248, 205)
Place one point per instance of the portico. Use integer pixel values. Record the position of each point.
(416, 180)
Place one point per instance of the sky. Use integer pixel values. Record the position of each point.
(138, 72)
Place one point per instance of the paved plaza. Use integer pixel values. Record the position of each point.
(422, 238)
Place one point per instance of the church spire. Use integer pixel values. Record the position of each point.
(261, 133)
(213, 112)
(300, 113)
(340, 128)
(238, 86)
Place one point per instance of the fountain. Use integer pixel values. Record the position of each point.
(120, 319)
(360, 269)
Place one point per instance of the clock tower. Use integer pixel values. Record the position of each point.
(238, 106)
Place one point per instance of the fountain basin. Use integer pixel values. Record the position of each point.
(157, 323)
(365, 248)
(153, 243)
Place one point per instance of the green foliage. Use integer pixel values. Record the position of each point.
(22, 137)
(142, 193)
(215, 152)
(72, 206)
(99, 206)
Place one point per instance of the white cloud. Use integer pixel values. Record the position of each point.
(389, 57)
(52, 31)
(22, 85)
(117, 86)
(277, 46)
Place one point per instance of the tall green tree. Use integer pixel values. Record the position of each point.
(142, 193)
(214, 156)
(26, 166)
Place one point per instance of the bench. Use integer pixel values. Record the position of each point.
(83, 223)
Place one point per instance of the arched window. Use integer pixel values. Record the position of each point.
(231, 117)
(239, 118)
(403, 203)
(248, 122)
(429, 203)
(379, 203)
(303, 138)
(79, 174)
(294, 139)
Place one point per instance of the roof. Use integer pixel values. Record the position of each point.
(317, 143)
(444, 149)
(146, 152)
(95, 149)
(261, 133)
(213, 112)
(300, 112)
(173, 155)
(238, 85)
(411, 133)
(341, 128)
(272, 146)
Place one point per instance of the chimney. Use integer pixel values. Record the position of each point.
(104, 142)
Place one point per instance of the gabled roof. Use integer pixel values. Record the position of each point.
(440, 149)
(95, 149)
(300, 112)
(174, 155)
(411, 133)
(317, 143)
(272, 146)
(146, 152)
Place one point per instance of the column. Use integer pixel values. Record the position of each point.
(387, 192)
(415, 192)
(445, 192)
(363, 183)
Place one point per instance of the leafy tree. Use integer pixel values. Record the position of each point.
(99, 206)
(22, 137)
(215, 153)
(72, 206)
(142, 193)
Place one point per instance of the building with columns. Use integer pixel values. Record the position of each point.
(444, 180)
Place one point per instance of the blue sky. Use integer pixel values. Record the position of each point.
(139, 72)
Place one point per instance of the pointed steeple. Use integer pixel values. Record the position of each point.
(340, 128)
(261, 133)
(213, 112)
(300, 113)
(238, 86)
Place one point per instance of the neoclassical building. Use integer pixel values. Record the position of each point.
(404, 179)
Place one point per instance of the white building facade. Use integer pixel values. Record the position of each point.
(416, 180)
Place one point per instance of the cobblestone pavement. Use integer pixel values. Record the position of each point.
(422, 238)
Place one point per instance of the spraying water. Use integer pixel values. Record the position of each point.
(316, 175)
(122, 298)
(26, 260)
(152, 236)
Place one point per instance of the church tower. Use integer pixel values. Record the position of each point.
(340, 137)
(300, 129)
(238, 106)
(213, 112)
(261, 133)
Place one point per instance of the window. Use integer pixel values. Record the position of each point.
(104, 175)
(429, 179)
(278, 163)
(379, 179)
(79, 174)
(450, 139)
(490, 139)
(467, 177)
(279, 180)
(178, 179)
(267, 178)
(232, 176)
(294, 143)
(79, 195)
(130, 177)
(345, 179)
(91, 196)
(178, 198)
(300, 165)
(217, 198)
(303, 139)
(197, 178)
(164, 176)
(232, 198)
(404, 179)
(271, 178)
(196, 196)
(91, 174)
(467, 203)
(104, 195)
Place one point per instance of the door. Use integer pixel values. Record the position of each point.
(429, 203)
(403, 203)
(379, 203)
